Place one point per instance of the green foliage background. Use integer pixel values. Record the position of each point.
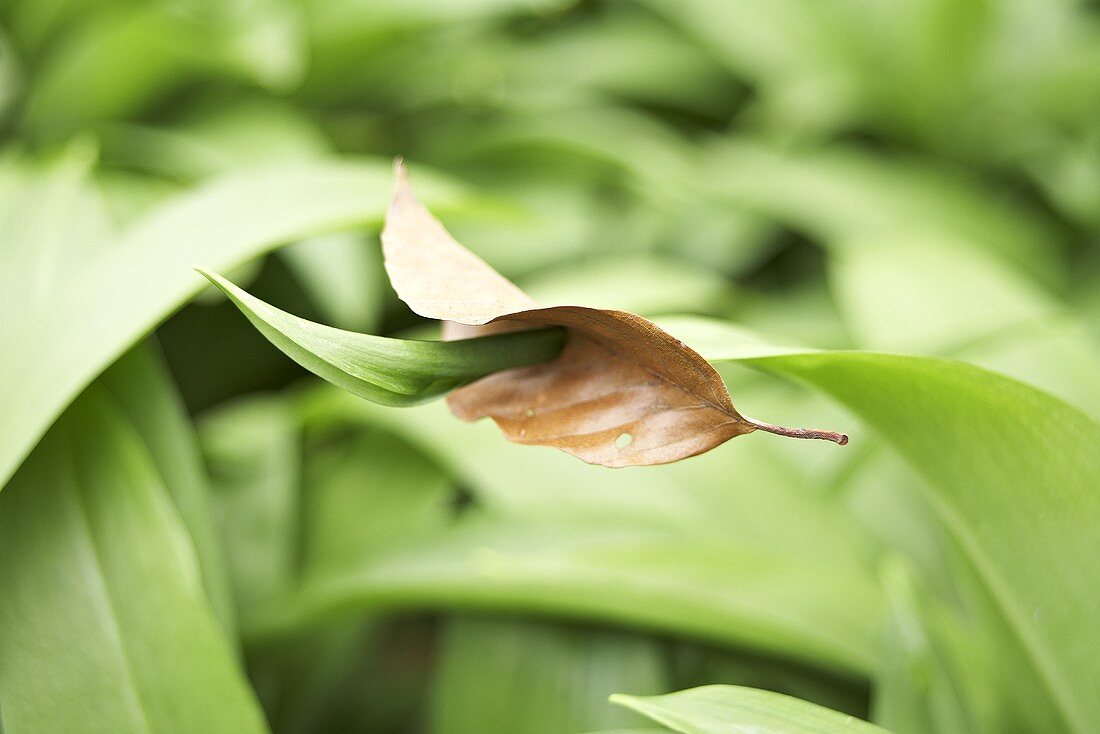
(196, 535)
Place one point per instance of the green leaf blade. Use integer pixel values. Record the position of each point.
(1005, 462)
(739, 710)
(224, 223)
(104, 625)
(627, 573)
(395, 372)
(1013, 474)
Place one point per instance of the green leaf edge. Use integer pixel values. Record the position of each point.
(749, 699)
(393, 372)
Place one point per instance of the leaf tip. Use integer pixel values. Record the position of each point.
(400, 171)
(216, 280)
(208, 274)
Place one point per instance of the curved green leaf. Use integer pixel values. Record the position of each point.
(141, 384)
(104, 625)
(738, 710)
(1003, 462)
(849, 199)
(52, 354)
(688, 507)
(396, 372)
(698, 584)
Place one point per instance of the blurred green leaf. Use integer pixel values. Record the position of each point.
(704, 585)
(737, 710)
(918, 690)
(221, 224)
(293, 506)
(537, 678)
(217, 138)
(931, 293)
(771, 508)
(252, 448)
(141, 385)
(365, 492)
(672, 286)
(803, 56)
(699, 665)
(848, 198)
(157, 47)
(105, 626)
(1031, 472)
(342, 273)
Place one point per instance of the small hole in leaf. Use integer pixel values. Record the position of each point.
(623, 440)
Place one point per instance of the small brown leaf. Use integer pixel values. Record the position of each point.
(622, 392)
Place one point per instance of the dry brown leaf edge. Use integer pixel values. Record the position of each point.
(621, 393)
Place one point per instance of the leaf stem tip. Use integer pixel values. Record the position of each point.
(838, 438)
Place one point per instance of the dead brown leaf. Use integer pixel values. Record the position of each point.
(622, 392)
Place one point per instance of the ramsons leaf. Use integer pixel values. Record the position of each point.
(738, 710)
(390, 371)
(141, 384)
(53, 353)
(537, 677)
(105, 626)
(705, 585)
(1003, 462)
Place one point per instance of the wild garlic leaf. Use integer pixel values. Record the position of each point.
(1003, 461)
(143, 387)
(638, 573)
(397, 372)
(53, 354)
(539, 676)
(105, 625)
(739, 710)
(813, 561)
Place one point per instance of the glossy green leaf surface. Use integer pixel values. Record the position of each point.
(396, 372)
(737, 710)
